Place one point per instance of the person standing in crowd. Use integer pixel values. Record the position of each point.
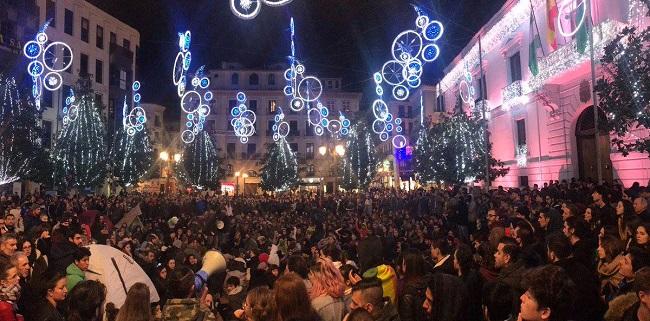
(641, 209)
(63, 252)
(610, 258)
(9, 291)
(601, 208)
(136, 307)
(441, 254)
(8, 245)
(506, 260)
(583, 247)
(182, 305)
(445, 298)
(292, 299)
(368, 295)
(86, 302)
(76, 271)
(326, 293)
(640, 311)
(51, 295)
(497, 302)
(472, 282)
(413, 287)
(549, 295)
(258, 306)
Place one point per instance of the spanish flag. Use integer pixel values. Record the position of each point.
(551, 18)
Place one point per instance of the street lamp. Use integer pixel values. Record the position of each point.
(237, 174)
(177, 157)
(245, 176)
(322, 150)
(340, 150)
(164, 156)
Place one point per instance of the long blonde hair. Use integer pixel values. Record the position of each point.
(137, 306)
(325, 278)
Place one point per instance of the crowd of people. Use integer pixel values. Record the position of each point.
(569, 250)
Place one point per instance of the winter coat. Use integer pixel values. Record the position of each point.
(8, 312)
(329, 308)
(610, 276)
(410, 300)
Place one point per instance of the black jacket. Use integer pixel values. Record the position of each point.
(62, 255)
(589, 305)
(411, 299)
(447, 267)
(44, 311)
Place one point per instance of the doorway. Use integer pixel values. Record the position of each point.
(587, 144)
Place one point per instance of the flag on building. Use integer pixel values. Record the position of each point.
(535, 43)
(551, 17)
(581, 21)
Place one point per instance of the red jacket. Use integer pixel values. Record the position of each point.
(7, 312)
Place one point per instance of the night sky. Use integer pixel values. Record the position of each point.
(342, 38)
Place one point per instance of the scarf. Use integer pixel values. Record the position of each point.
(10, 294)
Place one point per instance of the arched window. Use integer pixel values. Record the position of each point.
(234, 80)
(253, 80)
(271, 79)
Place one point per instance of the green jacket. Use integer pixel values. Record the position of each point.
(74, 275)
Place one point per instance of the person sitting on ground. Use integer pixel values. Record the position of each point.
(76, 271)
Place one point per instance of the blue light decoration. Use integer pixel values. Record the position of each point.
(194, 102)
(280, 127)
(249, 9)
(47, 61)
(465, 88)
(70, 110)
(410, 50)
(243, 121)
(133, 120)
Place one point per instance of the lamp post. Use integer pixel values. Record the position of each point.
(237, 174)
(164, 156)
(244, 176)
(338, 150)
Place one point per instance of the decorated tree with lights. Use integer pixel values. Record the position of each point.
(21, 152)
(80, 153)
(360, 162)
(279, 167)
(200, 164)
(131, 156)
(453, 151)
(624, 89)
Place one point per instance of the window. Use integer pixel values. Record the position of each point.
(309, 151)
(271, 80)
(113, 38)
(68, 22)
(521, 132)
(294, 147)
(231, 104)
(100, 37)
(230, 150)
(126, 44)
(99, 98)
(409, 111)
(273, 107)
(252, 105)
(440, 103)
(156, 121)
(523, 181)
(50, 12)
(85, 29)
(47, 133)
(212, 124)
(309, 129)
(253, 80)
(99, 71)
(47, 98)
(515, 67)
(234, 79)
(400, 111)
(329, 84)
(346, 105)
(83, 65)
(122, 79)
(8, 29)
(336, 84)
(251, 149)
(293, 128)
(310, 169)
(269, 130)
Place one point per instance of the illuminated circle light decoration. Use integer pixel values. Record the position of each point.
(243, 121)
(70, 110)
(249, 9)
(410, 50)
(47, 61)
(134, 120)
(194, 102)
(566, 8)
(280, 126)
(522, 156)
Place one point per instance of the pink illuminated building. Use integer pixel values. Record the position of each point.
(543, 125)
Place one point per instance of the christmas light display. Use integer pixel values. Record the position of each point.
(133, 120)
(410, 50)
(194, 103)
(565, 10)
(244, 119)
(360, 161)
(70, 110)
(522, 155)
(201, 163)
(21, 152)
(301, 89)
(249, 9)
(47, 61)
(279, 167)
(280, 127)
(79, 152)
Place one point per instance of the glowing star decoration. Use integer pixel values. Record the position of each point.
(47, 61)
(301, 89)
(70, 110)
(522, 155)
(249, 9)
(280, 127)
(194, 102)
(134, 120)
(243, 121)
(410, 50)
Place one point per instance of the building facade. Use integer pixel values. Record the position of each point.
(18, 24)
(263, 89)
(104, 49)
(542, 125)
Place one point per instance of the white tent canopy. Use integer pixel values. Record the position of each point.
(118, 272)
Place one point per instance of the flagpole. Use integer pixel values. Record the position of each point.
(590, 29)
(532, 12)
(484, 112)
